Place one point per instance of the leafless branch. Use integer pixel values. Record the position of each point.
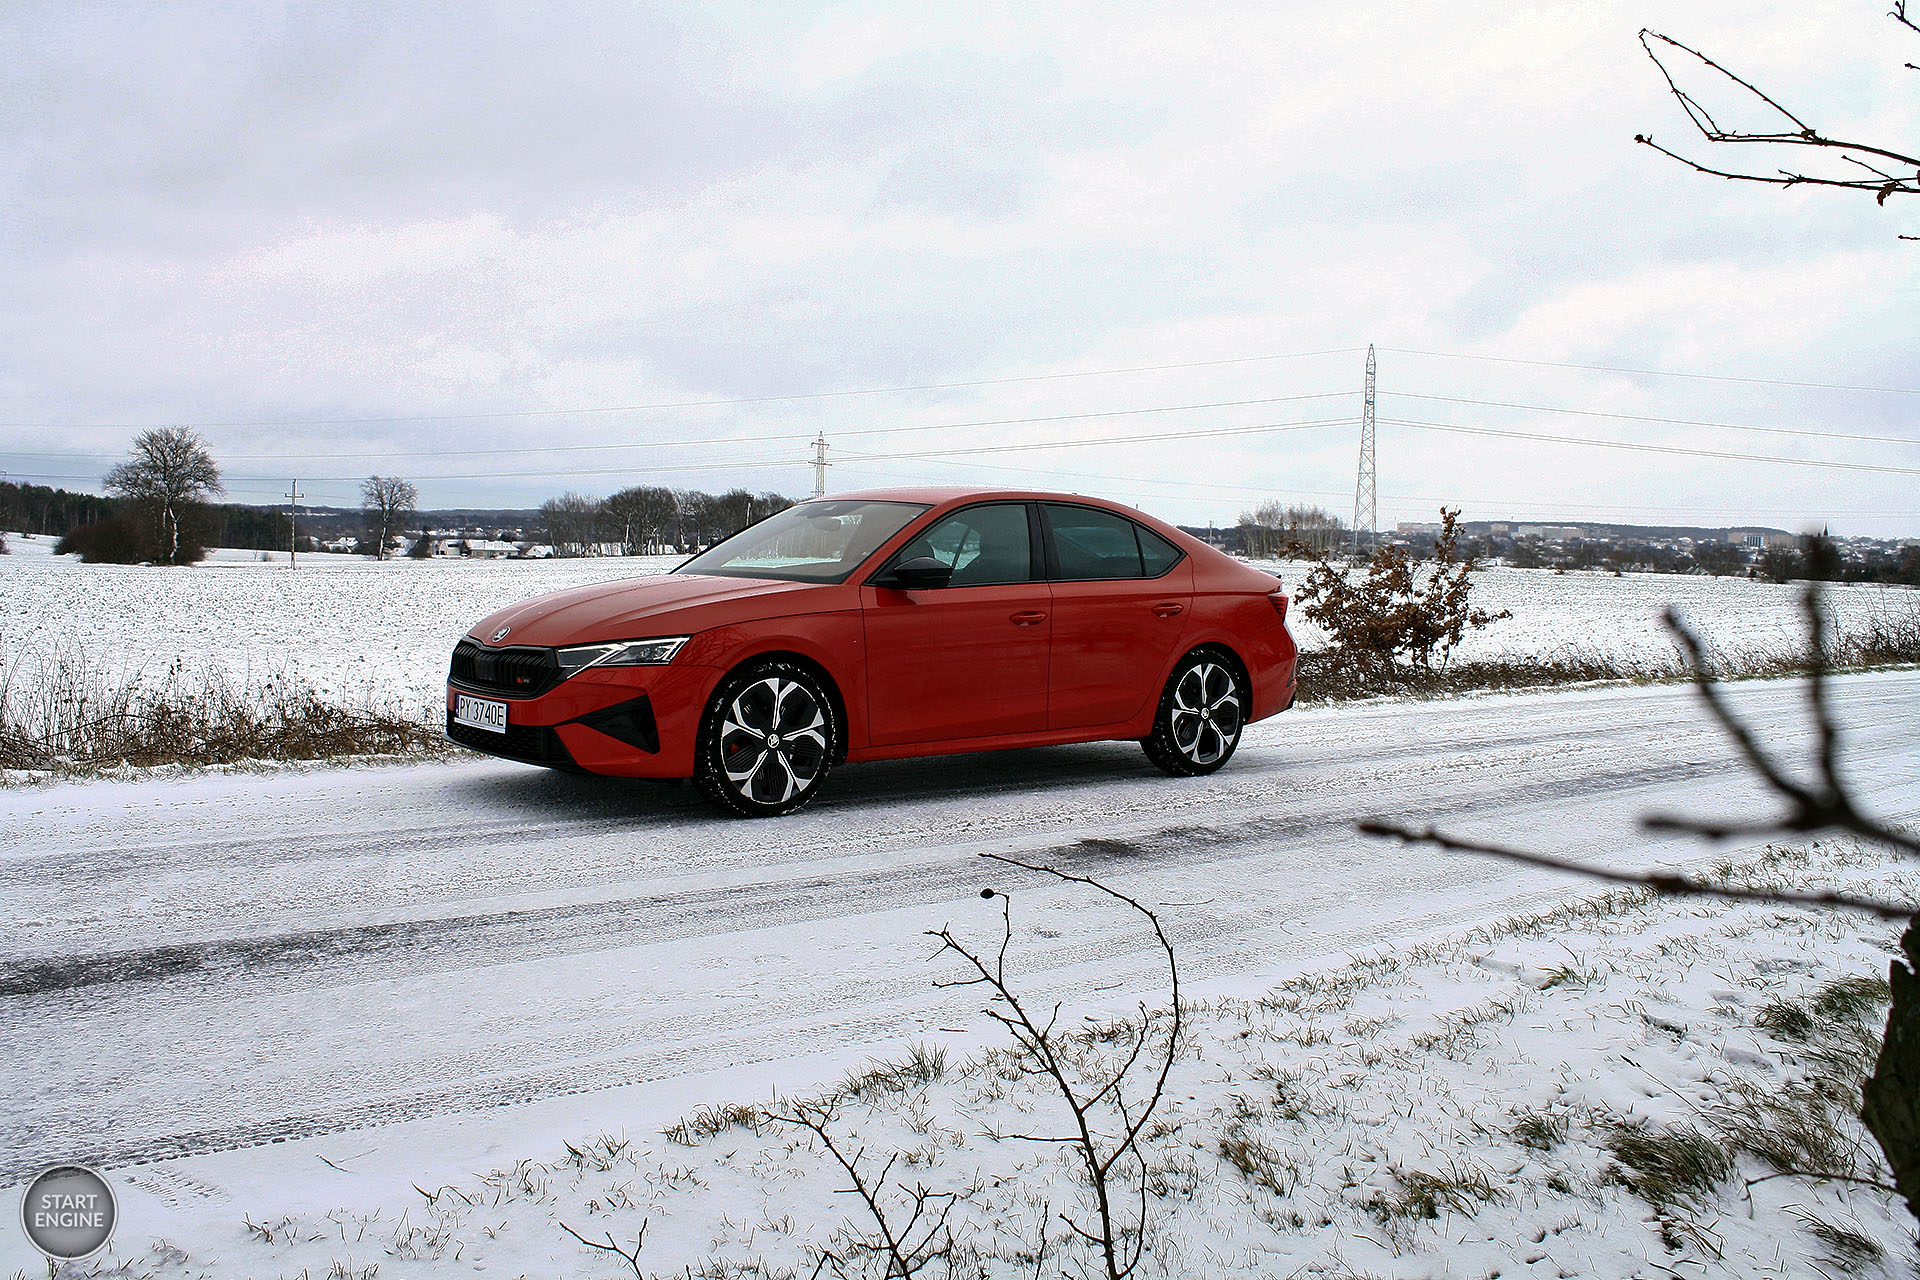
(631, 1259)
(908, 1246)
(1881, 182)
(1825, 802)
(1102, 1153)
(1667, 882)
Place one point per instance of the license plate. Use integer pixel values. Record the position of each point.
(481, 713)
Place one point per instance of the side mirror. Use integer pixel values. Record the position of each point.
(919, 574)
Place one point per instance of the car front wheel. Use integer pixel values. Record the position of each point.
(1201, 714)
(767, 740)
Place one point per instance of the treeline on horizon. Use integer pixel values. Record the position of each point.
(648, 519)
(637, 520)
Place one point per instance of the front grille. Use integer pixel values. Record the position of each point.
(514, 672)
(533, 743)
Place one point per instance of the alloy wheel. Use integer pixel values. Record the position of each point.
(1206, 714)
(773, 741)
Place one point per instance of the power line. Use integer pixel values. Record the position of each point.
(1095, 441)
(1653, 448)
(1680, 422)
(1656, 373)
(680, 404)
(1289, 491)
(756, 439)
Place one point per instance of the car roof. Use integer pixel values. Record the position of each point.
(938, 496)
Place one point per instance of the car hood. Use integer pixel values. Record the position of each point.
(635, 608)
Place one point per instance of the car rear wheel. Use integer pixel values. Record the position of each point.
(767, 741)
(1201, 714)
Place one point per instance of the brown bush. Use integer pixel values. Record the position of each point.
(1399, 608)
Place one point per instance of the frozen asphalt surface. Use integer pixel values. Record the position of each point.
(217, 962)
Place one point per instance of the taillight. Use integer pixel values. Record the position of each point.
(1279, 599)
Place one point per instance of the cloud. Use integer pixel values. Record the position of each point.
(247, 214)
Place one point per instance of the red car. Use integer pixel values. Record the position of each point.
(905, 622)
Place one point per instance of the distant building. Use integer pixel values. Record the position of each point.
(1550, 532)
(1409, 528)
(490, 549)
(1760, 538)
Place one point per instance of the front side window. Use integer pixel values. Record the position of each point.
(820, 541)
(986, 545)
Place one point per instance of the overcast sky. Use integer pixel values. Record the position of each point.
(347, 239)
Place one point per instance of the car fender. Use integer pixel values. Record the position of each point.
(833, 642)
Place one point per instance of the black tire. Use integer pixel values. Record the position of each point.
(767, 741)
(1202, 712)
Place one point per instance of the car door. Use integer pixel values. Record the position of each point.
(969, 659)
(1121, 594)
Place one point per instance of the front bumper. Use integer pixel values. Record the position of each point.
(631, 722)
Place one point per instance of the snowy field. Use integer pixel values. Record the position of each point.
(362, 629)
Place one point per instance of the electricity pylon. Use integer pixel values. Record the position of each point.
(1366, 506)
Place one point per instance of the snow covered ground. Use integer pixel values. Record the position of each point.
(382, 630)
(290, 1000)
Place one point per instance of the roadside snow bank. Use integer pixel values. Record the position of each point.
(1601, 1090)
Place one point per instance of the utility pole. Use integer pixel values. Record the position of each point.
(1366, 506)
(293, 527)
(820, 465)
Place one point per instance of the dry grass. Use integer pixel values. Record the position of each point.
(64, 717)
(1667, 1166)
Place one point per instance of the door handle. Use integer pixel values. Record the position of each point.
(1168, 610)
(1028, 618)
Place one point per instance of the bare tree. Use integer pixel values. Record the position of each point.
(1260, 530)
(1314, 528)
(572, 522)
(171, 471)
(694, 517)
(1823, 802)
(1861, 166)
(734, 510)
(388, 501)
(1109, 1111)
(642, 515)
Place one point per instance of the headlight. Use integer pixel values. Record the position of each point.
(621, 653)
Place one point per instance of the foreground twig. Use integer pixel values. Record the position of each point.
(1121, 1243)
(1874, 168)
(907, 1246)
(1669, 882)
(631, 1259)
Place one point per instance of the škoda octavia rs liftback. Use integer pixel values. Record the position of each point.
(874, 625)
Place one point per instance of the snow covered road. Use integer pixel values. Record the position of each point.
(221, 961)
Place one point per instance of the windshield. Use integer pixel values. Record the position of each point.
(820, 541)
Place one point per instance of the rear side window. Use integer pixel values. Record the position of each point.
(1157, 555)
(1091, 544)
